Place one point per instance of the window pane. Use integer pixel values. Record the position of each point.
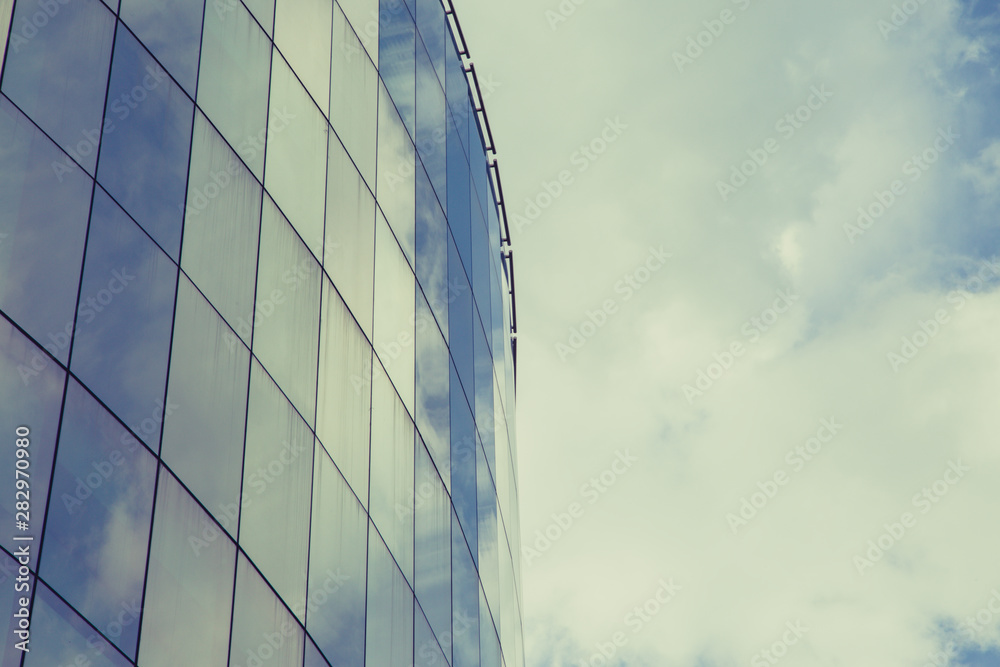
(390, 610)
(345, 371)
(62, 637)
(302, 32)
(432, 549)
(235, 65)
(465, 602)
(363, 15)
(171, 31)
(432, 24)
(427, 651)
(488, 529)
(481, 271)
(264, 633)
(31, 392)
(489, 642)
(463, 464)
(277, 478)
(337, 567)
(460, 320)
(97, 532)
(394, 312)
(396, 40)
(44, 222)
(124, 320)
(221, 228)
(60, 75)
(286, 334)
(313, 657)
(296, 155)
(392, 471)
(203, 437)
(396, 180)
(189, 587)
(432, 250)
(484, 394)
(457, 91)
(431, 132)
(432, 390)
(354, 94)
(349, 256)
(262, 9)
(144, 152)
(459, 198)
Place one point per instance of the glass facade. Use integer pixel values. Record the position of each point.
(256, 339)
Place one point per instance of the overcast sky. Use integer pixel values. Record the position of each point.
(788, 404)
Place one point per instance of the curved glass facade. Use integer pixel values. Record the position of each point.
(256, 360)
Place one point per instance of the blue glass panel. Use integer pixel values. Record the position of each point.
(459, 198)
(147, 136)
(43, 228)
(463, 464)
(460, 319)
(31, 392)
(124, 320)
(432, 133)
(389, 636)
(97, 531)
(171, 31)
(432, 548)
(489, 641)
(235, 71)
(113, 4)
(432, 250)
(396, 53)
(207, 395)
(264, 633)
(60, 75)
(189, 585)
(488, 529)
(396, 166)
(483, 395)
(337, 567)
(457, 89)
(480, 273)
(465, 602)
(432, 383)
(313, 658)
(63, 638)
(427, 651)
(432, 24)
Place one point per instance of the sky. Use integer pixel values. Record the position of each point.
(758, 262)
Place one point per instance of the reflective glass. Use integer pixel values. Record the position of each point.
(432, 548)
(97, 531)
(354, 95)
(396, 175)
(363, 15)
(277, 479)
(389, 637)
(221, 227)
(427, 650)
(391, 499)
(207, 393)
(147, 136)
(189, 586)
(61, 637)
(123, 323)
(483, 397)
(349, 255)
(60, 75)
(337, 567)
(432, 390)
(460, 319)
(6, 9)
(508, 613)
(235, 66)
(396, 42)
(478, 162)
(263, 10)
(394, 312)
(488, 530)
(465, 602)
(295, 174)
(432, 24)
(431, 131)
(172, 33)
(432, 250)
(11, 592)
(31, 392)
(286, 329)
(113, 4)
(302, 33)
(489, 642)
(459, 199)
(481, 271)
(463, 463)
(497, 335)
(43, 222)
(264, 633)
(344, 406)
(313, 658)
(457, 91)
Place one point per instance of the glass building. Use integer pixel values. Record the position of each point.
(256, 339)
